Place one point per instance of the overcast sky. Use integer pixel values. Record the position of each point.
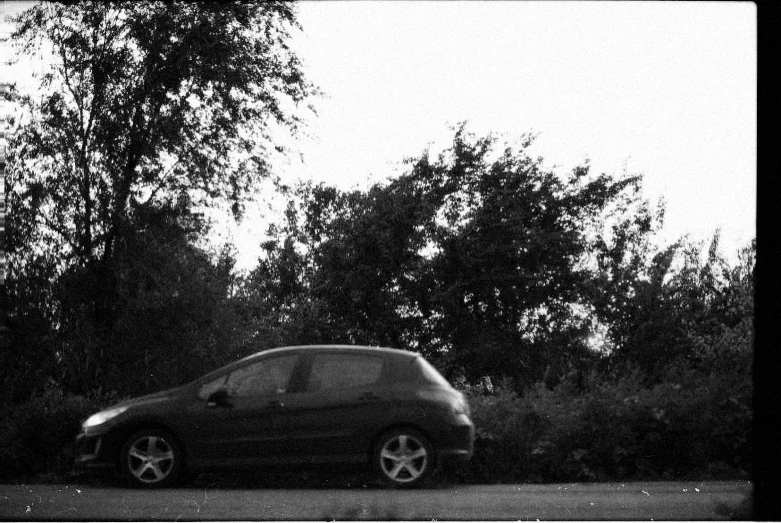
(664, 89)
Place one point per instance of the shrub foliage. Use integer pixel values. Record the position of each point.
(692, 426)
(39, 435)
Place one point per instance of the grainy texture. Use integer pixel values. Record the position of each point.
(612, 501)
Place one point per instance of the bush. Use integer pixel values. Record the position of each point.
(507, 430)
(38, 435)
(691, 426)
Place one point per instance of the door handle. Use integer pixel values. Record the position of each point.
(276, 404)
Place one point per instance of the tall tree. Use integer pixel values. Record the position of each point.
(510, 282)
(682, 305)
(478, 257)
(146, 100)
(149, 111)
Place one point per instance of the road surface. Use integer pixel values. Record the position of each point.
(613, 501)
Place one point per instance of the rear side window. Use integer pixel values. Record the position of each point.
(430, 374)
(343, 371)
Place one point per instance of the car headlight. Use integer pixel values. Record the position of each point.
(103, 416)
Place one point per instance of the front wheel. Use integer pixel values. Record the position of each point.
(403, 458)
(151, 458)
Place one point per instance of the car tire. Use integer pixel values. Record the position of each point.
(403, 458)
(151, 458)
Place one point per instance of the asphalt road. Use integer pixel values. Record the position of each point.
(613, 501)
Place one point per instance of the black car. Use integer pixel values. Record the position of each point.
(289, 406)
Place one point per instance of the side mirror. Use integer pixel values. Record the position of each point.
(219, 398)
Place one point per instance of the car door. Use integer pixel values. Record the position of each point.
(241, 426)
(342, 404)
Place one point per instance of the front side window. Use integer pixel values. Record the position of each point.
(262, 378)
(268, 376)
(343, 371)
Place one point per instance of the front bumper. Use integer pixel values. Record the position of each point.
(94, 451)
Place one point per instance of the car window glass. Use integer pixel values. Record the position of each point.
(211, 387)
(342, 371)
(268, 376)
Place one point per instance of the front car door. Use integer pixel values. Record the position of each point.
(243, 427)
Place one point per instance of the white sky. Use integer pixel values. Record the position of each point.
(667, 89)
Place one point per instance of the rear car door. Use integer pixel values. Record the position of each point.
(343, 403)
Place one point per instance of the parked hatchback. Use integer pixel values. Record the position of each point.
(290, 406)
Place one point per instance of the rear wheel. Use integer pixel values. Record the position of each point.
(403, 458)
(151, 458)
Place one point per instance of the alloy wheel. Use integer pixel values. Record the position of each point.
(151, 458)
(404, 458)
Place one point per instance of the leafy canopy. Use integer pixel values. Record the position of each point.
(149, 111)
(479, 255)
(145, 102)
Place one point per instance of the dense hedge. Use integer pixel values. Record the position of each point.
(692, 426)
(38, 435)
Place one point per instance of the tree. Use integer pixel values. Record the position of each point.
(148, 107)
(477, 258)
(716, 302)
(509, 291)
(680, 306)
(276, 299)
(173, 317)
(145, 101)
(627, 290)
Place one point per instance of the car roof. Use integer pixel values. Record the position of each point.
(333, 347)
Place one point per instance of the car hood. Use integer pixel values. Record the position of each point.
(150, 399)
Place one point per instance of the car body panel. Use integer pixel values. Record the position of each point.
(294, 426)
